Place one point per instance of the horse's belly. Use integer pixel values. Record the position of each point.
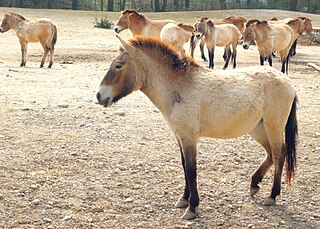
(229, 127)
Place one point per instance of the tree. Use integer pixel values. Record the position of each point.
(223, 4)
(21, 3)
(74, 4)
(49, 4)
(293, 4)
(187, 4)
(110, 5)
(156, 5)
(122, 4)
(101, 5)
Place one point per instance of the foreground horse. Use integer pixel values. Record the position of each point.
(224, 35)
(176, 34)
(269, 38)
(139, 25)
(198, 102)
(41, 30)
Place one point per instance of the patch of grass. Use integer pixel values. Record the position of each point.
(103, 23)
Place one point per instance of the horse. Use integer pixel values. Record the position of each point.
(238, 21)
(297, 26)
(218, 35)
(199, 102)
(307, 29)
(177, 34)
(139, 25)
(269, 38)
(40, 30)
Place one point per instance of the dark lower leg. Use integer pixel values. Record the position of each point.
(261, 60)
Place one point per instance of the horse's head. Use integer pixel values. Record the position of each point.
(307, 26)
(120, 80)
(249, 34)
(6, 23)
(202, 27)
(297, 25)
(124, 20)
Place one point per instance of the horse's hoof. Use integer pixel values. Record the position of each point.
(189, 215)
(41, 66)
(182, 203)
(269, 201)
(253, 191)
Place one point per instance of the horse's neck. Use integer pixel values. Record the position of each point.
(137, 27)
(16, 23)
(156, 85)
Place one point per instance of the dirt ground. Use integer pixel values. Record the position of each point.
(66, 162)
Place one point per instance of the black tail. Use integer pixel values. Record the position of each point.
(54, 36)
(291, 137)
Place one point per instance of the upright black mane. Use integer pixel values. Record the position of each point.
(166, 51)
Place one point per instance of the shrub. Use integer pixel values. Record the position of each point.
(103, 23)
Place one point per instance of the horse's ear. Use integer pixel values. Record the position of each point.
(125, 45)
(209, 22)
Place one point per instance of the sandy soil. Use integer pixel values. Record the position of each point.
(67, 162)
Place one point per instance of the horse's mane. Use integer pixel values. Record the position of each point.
(240, 18)
(129, 11)
(294, 20)
(202, 18)
(17, 15)
(304, 18)
(165, 51)
(274, 19)
(251, 21)
(186, 27)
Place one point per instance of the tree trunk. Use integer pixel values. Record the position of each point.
(164, 5)
(49, 4)
(156, 5)
(101, 5)
(21, 3)
(248, 3)
(293, 4)
(223, 4)
(74, 4)
(110, 5)
(187, 4)
(122, 4)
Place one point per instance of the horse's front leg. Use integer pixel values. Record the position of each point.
(183, 201)
(211, 57)
(24, 46)
(189, 152)
(202, 42)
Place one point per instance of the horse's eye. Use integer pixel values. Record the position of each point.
(118, 66)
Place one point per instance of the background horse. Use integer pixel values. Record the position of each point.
(269, 38)
(198, 102)
(139, 25)
(238, 21)
(176, 34)
(219, 35)
(41, 30)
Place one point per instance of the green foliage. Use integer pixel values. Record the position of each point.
(103, 23)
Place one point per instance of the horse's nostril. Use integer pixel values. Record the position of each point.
(98, 96)
(198, 36)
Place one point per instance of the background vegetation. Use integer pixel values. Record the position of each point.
(311, 6)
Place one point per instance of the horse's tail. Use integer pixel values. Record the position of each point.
(291, 135)
(54, 36)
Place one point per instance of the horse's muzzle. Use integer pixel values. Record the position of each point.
(117, 30)
(245, 46)
(103, 102)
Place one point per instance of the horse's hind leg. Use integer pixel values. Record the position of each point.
(51, 57)
(228, 53)
(259, 134)
(275, 136)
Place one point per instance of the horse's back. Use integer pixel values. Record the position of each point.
(283, 36)
(226, 33)
(230, 103)
(153, 27)
(41, 29)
